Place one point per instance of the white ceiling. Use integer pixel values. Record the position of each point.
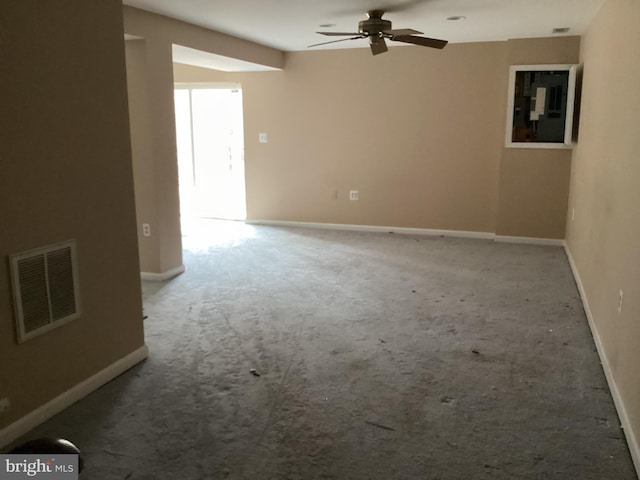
(290, 25)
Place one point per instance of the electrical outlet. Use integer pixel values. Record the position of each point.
(146, 230)
(620, 298)
(353, 195)
(5, 405)
(263, 138)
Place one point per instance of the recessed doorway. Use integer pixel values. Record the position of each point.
(210, 141)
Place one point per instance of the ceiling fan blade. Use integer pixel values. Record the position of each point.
(378, 45)
(336, 41)
(339, 34)
(401, 32)
(423, 41)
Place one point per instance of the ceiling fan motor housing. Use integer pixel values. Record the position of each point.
(374, 25)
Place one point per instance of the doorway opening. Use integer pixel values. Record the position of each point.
(210, 141)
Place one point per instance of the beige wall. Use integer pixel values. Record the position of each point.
(418, 132)
(65, 160)
(603, 238)
(155, 165)
(534, 183)
(150, 77)
(164, 30)
(142, 151)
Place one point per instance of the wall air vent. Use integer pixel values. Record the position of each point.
(45, 288)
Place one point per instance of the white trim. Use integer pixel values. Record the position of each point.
(630, 435)
(161, 277)
(530, 240)
(68, 398)
(568, 126)
(547, 145)
(410, 231)
(374, 228)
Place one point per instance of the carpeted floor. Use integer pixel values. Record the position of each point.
(376, 356)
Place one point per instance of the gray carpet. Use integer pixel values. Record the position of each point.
(376, 356)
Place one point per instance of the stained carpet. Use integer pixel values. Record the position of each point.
(288, 353)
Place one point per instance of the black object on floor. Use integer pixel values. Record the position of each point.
(48, 445)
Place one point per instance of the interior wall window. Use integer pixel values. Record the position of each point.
(541, 101)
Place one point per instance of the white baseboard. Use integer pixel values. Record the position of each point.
(374, 228)
(164, 276)
(630, 434)
(66, 399)
(410, 231)
(530, 240)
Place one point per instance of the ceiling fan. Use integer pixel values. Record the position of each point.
(376, 29)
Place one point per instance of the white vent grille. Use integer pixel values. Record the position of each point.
(45, 288)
